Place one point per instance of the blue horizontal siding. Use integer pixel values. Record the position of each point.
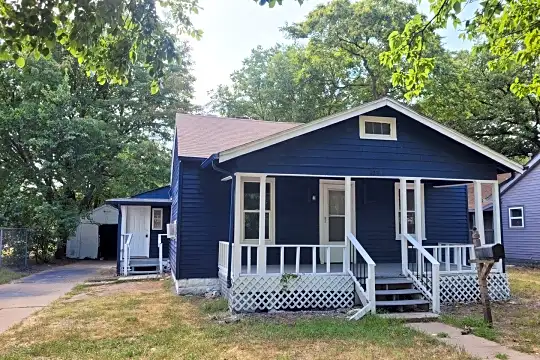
(338, 150)
(523, 244)
(175, 184)
(204, 220)
(446, 215)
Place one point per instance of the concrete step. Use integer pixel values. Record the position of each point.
(392, 280)
(413, 302)
(398, 292)
(412, 317)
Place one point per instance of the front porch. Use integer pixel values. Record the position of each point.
(336, 269)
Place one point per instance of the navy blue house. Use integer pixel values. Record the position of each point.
(328, 213)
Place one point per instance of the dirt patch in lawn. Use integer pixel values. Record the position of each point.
(516, 322)
(145, 320)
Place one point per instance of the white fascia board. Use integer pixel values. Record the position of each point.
(362, 109)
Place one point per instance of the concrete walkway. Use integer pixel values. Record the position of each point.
(21, 298)
(474, 345)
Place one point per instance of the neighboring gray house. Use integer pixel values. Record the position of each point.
(520, 208)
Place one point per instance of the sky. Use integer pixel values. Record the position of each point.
(233, 27)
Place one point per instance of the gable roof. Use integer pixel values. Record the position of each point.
(286, 134)
(535, 161)
(201, 136)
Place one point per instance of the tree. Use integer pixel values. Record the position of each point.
(108, 38)
(67, 143)
(337, 69)
(509, 31)
(273, 85)
(345, 39)
(464, 95)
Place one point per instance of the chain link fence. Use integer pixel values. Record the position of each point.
(14, 246)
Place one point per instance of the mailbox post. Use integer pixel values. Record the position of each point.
(486, 257)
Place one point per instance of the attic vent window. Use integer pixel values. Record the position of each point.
(378, 128)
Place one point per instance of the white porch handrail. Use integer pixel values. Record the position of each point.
(126, 244)
(160, 248)
(365, 288)
(426, 281)
(454, 257)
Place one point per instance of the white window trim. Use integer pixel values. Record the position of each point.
(155, 211)
(272, 211)
(397, 210)
(378, 119)
(510, 217)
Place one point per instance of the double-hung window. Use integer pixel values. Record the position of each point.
(250, 206)
(411, 214)
(516, 217)
(157, 219)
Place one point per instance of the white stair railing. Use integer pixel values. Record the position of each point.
(126, 244)
(423, 270)
(362, 270)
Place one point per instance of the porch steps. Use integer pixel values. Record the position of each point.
(392, 280)
(412, 302)
(398, 295)
(397, 292)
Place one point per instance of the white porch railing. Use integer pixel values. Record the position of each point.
(160, 250)
(423, 269)
(125, 250)
(362, 270)
(223, 256)
(454, 258)
(247, 264)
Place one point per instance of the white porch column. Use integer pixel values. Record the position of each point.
(479, 211)
(497, 234)
(261, 254)
(403, 223)
(237, 250)
(418, 220)
(348, 222)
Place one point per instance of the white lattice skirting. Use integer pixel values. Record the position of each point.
(259, 293)
(463, 288)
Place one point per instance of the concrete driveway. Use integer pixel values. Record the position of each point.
(23, 297)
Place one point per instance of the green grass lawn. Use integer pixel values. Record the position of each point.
(516, 322)
(145, 320)
(7, 275)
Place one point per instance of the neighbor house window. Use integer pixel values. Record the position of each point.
(378, 128)
(250, 210)
(157, 219)
(516, 218)
(411, 215)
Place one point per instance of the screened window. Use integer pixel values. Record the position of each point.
(250, 210)
(381, 128)
(516, 217)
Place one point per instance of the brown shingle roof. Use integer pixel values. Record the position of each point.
(486, 192)
(201, 136)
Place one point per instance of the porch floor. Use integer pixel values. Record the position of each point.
(381, 269)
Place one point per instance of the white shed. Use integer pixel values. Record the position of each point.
(96, 230)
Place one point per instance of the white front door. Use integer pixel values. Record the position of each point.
(138, 224)
(332, 217)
